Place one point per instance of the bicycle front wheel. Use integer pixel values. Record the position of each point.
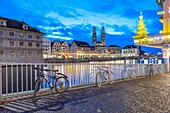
(98, 79)
(125, 75)
(36, 89)
(61, 84)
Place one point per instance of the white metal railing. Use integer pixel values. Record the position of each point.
(18, 79)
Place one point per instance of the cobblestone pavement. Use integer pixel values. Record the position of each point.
(144, 95)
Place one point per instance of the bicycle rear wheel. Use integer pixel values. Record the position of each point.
(125, 75)
(36, 89)
(98, 79)
(61, 84)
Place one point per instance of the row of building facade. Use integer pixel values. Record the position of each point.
(19, 42)
(81, 49)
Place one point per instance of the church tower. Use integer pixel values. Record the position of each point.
(103, 38)
(94, 38)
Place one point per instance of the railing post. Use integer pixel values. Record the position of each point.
(0, 83)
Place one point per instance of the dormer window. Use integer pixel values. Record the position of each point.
(1, 23)
(25, 27)
(21, 35)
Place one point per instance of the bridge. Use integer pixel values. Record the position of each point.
(150, 94)
(17, 85)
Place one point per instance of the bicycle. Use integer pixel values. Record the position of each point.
(60, 84)
(158, 68)
(128, 72)
(104, 74)
(149, 70)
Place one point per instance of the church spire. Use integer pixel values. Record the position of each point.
(94, 38)
(103, 38)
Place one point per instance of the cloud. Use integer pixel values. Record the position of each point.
(58, 37)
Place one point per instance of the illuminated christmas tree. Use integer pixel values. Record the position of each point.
(141, 32)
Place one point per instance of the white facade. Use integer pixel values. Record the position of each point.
(46, 48)
(130, 51)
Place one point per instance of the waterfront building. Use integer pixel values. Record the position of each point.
(130, 51)
(19, 42)
(46, 48)
(60, 49)
(114, 50)
(80, 49)
(101, 49)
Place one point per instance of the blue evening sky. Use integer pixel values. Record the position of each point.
(74, 19)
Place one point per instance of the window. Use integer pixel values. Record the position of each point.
(21, 44)
(30, 53)
(30, 36)
(29, 44)
(1, 52)
(21, 53)
(1, 42)
(25, 27)
(1, 33)
(1, 23)
(37, 44)
(11, 34)
(37, 37)
(11, 43)
(21, 35)
(37, 53)
(12, 53)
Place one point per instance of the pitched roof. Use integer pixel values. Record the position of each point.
(114, 46)
(129, 46)
(18, 24)
(81, 43)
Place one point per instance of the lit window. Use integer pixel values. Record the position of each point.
(21, 53)
(12, 53)
(169, 10)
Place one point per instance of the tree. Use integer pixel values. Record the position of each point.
(141, 32)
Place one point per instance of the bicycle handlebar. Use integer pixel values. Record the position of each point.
(41, 69)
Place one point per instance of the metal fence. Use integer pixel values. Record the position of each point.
(19, 79)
